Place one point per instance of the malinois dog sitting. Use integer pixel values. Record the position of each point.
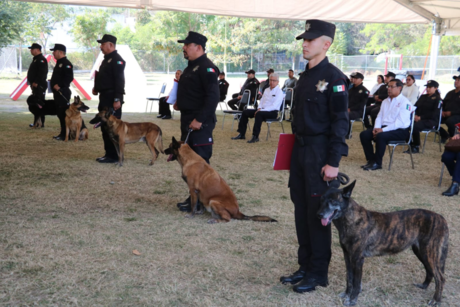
(122, 133)
(74, 124)
(366, 233)
(206, 185)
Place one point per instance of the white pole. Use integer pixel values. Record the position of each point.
(435, 49)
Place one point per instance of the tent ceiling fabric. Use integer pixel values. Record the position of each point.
(376, 11)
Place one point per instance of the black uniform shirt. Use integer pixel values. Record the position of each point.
(382, 92)
(321, 107)
(111, 75)
(38, 71)
(251, 84)
(428, 107)
(223, 87)
(198, 90)
(452, 103)
(357, 98)
(62, 73)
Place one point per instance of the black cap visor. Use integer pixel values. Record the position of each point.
(309, 35)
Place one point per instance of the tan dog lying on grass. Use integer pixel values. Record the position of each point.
(74, 124)
(207, 186)
(122, 133)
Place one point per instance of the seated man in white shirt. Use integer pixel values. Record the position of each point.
(391, 124)
(268, 108)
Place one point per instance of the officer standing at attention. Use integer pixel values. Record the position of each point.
(60, 84)
(36, 76)
(197, 99)
(320, 124)
(110, 85)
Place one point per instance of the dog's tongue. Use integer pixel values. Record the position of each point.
(325, 221)
(96, 125)
(169, 158)
(39, 106)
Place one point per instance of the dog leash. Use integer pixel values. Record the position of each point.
(68, 103)
(188, 134)
(342, 179)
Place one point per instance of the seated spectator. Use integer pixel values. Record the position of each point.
(164, 112)
(251, 84)
(452, 162)
(290, 82)
(268, 109)
(374, 90)
(380, 95)
(265, 84)
(451, 111)
(357, 98)
(391, 124)
(426, 113)
(410, 90)
(223, 86)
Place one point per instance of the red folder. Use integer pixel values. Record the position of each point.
(283, 153)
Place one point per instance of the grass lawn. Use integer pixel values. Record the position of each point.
(69, 225)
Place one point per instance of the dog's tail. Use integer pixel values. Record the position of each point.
(159, 141)
(256, 218)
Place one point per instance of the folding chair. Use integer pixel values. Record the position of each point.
(288, 100)
(395, 144)
(152, 99)
(435, 131)
(245, 99)
(279, 120)
(357, 119)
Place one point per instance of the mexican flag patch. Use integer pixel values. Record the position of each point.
(68, 66)
(408, 107)
(120, 62)
(339, 88)
(211, 70)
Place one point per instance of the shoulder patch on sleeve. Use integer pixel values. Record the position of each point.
(120, 62)
(338, 88)
(408, 107)
(210, 70)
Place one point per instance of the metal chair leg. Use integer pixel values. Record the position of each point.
(350, 129)
(442, 173)
(282, 127)
(151, 106)
(440, 150)
(424, 142)
(410, 152)
(223, 121)
(391, 157)
(268, 131)
(146, 105)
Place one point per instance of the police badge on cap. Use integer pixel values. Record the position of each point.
(315, 28)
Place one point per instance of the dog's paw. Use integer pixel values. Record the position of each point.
(421, 286)
(151, 163)
(190, 216)
(434, 303)
(349, 302)
(200, 212)
(344, 295)
(212, 221)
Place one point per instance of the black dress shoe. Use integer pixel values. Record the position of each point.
(100, 158)
(108, 160)
(59, 138)
(309, 284)
(166, 117)
(452, 190)
(159, 116)
(369, 163)
(187, 208)
(293, 278)
(239, 137)
(414, 149)
(254, 139)
(373, 167)
(31, 125)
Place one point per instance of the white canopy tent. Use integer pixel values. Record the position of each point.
(444, 14)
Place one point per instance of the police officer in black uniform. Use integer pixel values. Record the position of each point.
(60, 84)
(320, 124)
(357, 98)
(251, 84)
(451, 110)
(223, 86)
(197, 99)
(426, 114)
(110, 85)
(36, 77)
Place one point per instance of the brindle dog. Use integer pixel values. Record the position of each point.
(364, 233)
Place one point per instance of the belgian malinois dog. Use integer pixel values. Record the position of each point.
(74, 124)
(207, 186)
(366, 233)
(122, 133)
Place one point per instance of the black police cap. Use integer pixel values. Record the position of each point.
(357, 75)
(35, 46)
(59, 47)
(270, 70)
(432, 83)
(107, 38)
(315, 28)
(390, 74)
(456, 77)
(251, 71)
(196, 38)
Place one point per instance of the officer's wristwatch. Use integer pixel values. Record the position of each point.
(117, 99)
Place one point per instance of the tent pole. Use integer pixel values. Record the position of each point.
(434, 49)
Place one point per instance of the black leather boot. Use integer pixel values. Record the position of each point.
(309, 284)
(452, 190)
(293, 278)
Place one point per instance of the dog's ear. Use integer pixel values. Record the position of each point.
(175, 143)
(108, 112)
(346, 192)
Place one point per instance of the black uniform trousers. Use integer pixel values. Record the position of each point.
(373, 111)
(260, 117)
(381, 141)
(62, 104)
(106, 99)
(422, 124)
(450, 122)
(199, 140)
(306, 186)
(452, 162)
(40, 93)
(163, 107)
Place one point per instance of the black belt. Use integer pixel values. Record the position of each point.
(311, 139)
